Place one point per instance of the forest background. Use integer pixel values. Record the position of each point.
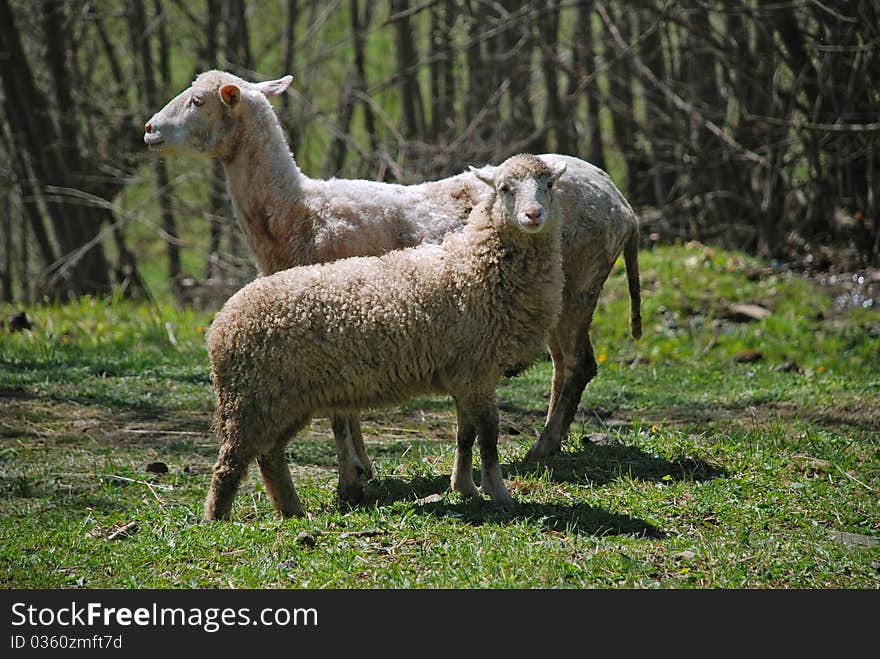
(752, 124)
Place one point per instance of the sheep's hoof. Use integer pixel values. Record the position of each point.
(466, 488)
(471, 494)
(350, 494)
(541, 450)
(502, 501)
(298, 511)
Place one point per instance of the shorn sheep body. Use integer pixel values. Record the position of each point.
(374, 331)
(291, 220)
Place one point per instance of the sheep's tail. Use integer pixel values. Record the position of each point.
(631, 260)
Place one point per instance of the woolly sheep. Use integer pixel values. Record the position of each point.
(291, 219)
(373, 331)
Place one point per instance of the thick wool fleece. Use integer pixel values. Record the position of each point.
(374, 331)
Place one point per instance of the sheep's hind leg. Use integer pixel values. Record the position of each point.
(352, 473)
(558, 357)
(561, 416)
(462, 470)
(230, 468)
(276, 478)
(357, 439)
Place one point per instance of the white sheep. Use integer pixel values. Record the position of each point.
(372, 331)
(291, 219)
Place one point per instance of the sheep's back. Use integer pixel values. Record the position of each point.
(359, 332)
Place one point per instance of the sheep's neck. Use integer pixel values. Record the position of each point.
(264, 185)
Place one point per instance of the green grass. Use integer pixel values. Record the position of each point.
(685, 468)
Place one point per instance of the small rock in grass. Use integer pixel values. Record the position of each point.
(19, 322)
(748, 357)
(685, 555)
(157, 468)
(746, 313)
(791, 366)
(809, 464)
(599, 439)
(306, 539)
(194, 469)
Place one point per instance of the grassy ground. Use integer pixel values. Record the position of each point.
(712, 453)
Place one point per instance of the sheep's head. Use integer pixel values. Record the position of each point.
(523, 190)
(202, 118)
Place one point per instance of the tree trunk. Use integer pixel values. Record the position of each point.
(586, 54)
(218, 207)
(435, 68)
(148, 93)
(657, 129)
(620, 101)
(359, 30)
(355, 86)
(412, 108)
(558, 115)
(53, 161)
(481, 108)
(516, 44)
(217, 179)
(6, 292)
(23, 181)
(344, 112)
(293, 127)
(238, 45)
(238, 54)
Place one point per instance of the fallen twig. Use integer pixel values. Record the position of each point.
(134, 480)
(850, 476)
(125, 529)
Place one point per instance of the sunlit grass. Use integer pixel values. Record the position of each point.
(686, 466)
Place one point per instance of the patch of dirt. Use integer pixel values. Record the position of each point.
(27, 416)
(864, 417)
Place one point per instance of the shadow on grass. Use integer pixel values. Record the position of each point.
(60, 497)
(580, 519)
(599, 464)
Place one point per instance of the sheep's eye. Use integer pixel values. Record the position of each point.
(549, 185)
(504, 188)
(197, 101)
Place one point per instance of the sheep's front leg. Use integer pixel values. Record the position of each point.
(357, 440)
(462, 469)
(481, 415)
(490, 470)
(352, 473)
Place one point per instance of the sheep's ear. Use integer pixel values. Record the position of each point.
(559, 171)
(230, 94)
(488, 180)
(275, 87)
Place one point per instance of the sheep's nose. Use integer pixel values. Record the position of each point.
(534, 212)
